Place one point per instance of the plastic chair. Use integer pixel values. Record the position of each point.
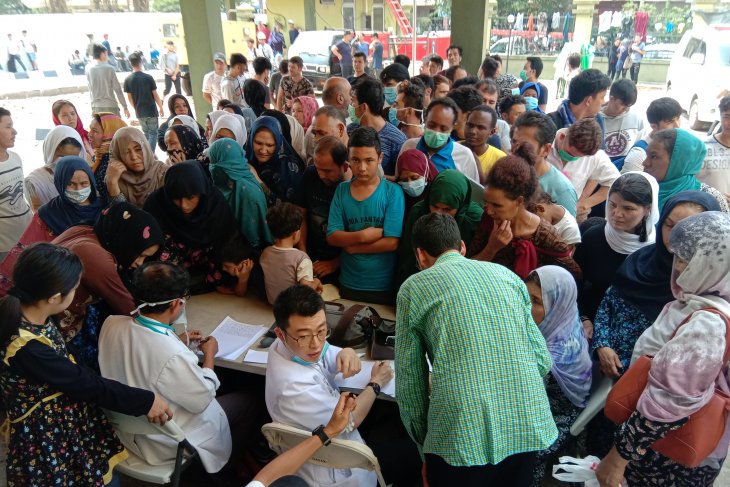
(136, 467)
(600, 387)
(339, 454)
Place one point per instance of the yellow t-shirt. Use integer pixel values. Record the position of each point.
(487, 160)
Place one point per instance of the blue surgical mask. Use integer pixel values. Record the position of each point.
(351, 113)
(530, 103)
(296, 359)
(393, 116)
(391, 93)
(415, 188)
(78, 196)
(434, 139)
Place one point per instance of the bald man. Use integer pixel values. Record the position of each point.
(335, 93)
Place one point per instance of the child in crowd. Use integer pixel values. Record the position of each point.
(237, 260)
(283, 264)
(544, 206)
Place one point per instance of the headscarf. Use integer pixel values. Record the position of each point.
(126, 231)
(627, 243)
(53, 140)
(61, 213)
(39, 183)
(254, 92)
(309, 106)
(231, 174)
(685, 162)
(211, 223)
(534, 86)
(110, 123)
(644, 278)
(283, 172)
(137, 187)
(215, 115)
(234, 124)
(83, 133)
(283, 123)
(171, 105)
(186, 120)
(191, 144)
(702, 241)
(563, 332)
(416, 161)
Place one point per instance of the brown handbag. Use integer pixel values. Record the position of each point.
(690, 444)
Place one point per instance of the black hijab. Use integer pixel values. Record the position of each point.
(126, 231)
(254, 92)
(211, 223)
(191, 144)
(283, 121)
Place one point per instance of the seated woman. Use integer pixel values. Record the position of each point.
(247, 114)
(101, 132)
(631, 212)
(414, 172)
(77, 204)
(555, 310)
(674, 157)
(64, 113)
(182, 145)
(531, 92)
(176, 105)
(37, 370)
(640, 290)
(449, 193)
(509, 234)
(687, 361)
(303, 109)
(61, 141)
(232, 176)
(195, 219)
(121, 240)
(293, 132)
(231, 127)
(210, 120)
(134, 171)
(276, 163)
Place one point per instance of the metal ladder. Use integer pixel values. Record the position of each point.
(400, 16)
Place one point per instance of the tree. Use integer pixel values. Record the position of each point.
(166, 6)
(13, 7)
(141, 5)
(57, 6)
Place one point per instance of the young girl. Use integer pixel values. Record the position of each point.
(58, 433)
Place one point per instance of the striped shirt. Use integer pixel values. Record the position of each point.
(472, 319)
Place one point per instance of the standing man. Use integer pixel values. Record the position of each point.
(15, 213)
(171, 66)
(359, 65)
(30, 49)
(638, 49)
(232, 85)
(14, 55)
(277, 41)
(104, 85)
(262, 49)
(454, 54)
(481, 124)
(530, 73)
(455, 311)
(293, 32)
(585, 98)
(343, 51)
(376, 55)
(212, 80)
(141, 90)
(112, 60)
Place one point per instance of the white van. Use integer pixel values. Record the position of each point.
(698, 73)
(314, 47)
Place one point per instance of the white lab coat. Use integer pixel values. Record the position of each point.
(137, 356)
(304, 397)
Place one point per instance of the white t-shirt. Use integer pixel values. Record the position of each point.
(715, 170)
(597, 167)
(636, 156)
(212, 86)
(567, 228)
(503, 129)
(15, 214)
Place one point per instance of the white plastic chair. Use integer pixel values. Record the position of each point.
(600, 387)
(135, 467)
(339, 454)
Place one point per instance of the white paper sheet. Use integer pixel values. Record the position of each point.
(234, 337)
(256, 357)
(360, 381)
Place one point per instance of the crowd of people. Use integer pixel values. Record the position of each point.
(519, 248)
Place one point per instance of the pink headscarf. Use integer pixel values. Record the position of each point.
(309, 106)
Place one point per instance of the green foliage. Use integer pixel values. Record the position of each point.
(166, 5)
(12, 7)
(506, 7)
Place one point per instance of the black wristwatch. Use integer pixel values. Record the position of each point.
(375, 386)
(319, 431)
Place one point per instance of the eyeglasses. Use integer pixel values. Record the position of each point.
(321, 336)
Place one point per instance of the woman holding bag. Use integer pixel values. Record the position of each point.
(688, 343)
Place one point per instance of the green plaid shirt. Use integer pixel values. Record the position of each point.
(488, 401)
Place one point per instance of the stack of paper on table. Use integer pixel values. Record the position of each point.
(256, 357)
(234, 337)
(360, 381)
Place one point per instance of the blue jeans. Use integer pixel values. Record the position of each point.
(149, 127)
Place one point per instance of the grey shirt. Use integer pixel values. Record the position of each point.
(169, 61)
(103, 85)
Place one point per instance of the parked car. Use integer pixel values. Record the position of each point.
(517, 46)
(660, 51)
(698, 73)
(314, 47)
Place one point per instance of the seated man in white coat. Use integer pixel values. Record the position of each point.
(300, 386)
(143, 350)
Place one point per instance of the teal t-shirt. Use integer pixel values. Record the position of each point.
(382, 209)
(560, 188)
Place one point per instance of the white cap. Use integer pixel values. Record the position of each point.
(291, 21)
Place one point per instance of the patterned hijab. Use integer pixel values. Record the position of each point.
(126, 231)
(191, 144)
(309, 106)
(186, 120)
(136, 187)
(563, 333)
(110, 123)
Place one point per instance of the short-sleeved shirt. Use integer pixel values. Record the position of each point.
(635, 56)
(268, 92)
(169, 60)
(283, 268)
(141, 86)
(542, 98)
(15, 214)
(382, 209)
(294, 89)
(378, 56)
(212, 86)
(487, 160)
(557, 185)
(346, 53)
(316, 197)
(715, 170)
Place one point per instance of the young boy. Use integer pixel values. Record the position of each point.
(15, 214)
(284, 265)
(366, 220)
(623, 126)
(545, 207)
(715, 170)
(236, 257)
(481, 124)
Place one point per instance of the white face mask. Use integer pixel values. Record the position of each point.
(78, 196)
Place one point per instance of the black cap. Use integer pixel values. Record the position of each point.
(395, 71)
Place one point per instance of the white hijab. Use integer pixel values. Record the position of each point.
(188, 121)
(54, 139)
(627, 243)
(235, 123)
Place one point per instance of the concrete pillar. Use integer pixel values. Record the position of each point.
(471, 23)
(310, 15)
(583, 11)
(203, 37)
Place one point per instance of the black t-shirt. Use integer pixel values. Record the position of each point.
(268, 91)
(316, 197)
(141, 85)
(543, 98)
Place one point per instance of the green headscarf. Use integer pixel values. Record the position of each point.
(233, 177)
(450, 188)
(686, 161)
